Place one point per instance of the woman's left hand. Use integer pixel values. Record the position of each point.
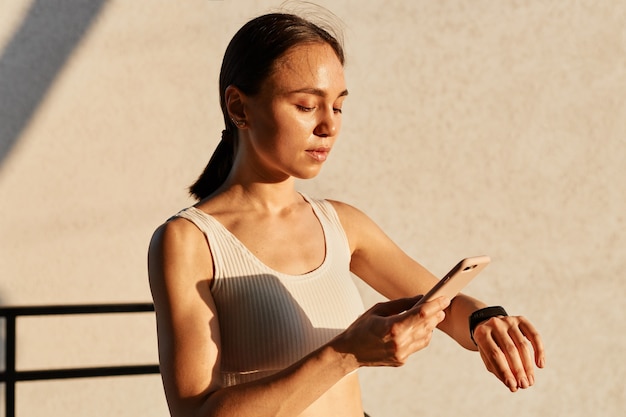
(504, 343)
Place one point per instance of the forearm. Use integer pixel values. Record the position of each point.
(456, 323)
(287, 393)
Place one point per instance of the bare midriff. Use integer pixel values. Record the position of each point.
(342, 400)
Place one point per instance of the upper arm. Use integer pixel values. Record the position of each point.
(385, 267)
(377, 260)
(180, 270)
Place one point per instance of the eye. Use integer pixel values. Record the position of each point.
(337, 110)
(304, 108)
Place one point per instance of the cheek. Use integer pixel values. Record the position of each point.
(282, 124)
(295, 126)
(265, 124)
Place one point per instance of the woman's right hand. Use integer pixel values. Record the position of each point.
(389, 332)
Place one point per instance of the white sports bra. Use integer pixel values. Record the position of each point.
(269, 320)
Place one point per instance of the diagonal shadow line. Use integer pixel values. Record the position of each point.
(34, 57)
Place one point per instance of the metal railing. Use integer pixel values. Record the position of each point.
(10, 376)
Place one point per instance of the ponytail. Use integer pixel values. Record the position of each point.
(218, 168)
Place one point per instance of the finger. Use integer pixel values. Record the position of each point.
(432, 307)
(523, 349)
(514, 363)
(493, 357)
(530, 332)
(488, 364)
(393, 307)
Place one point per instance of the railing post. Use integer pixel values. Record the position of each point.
(9, 387)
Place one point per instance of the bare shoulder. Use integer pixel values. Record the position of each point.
(177, 232)
(359, 227)
(178, 248)
(349, 214)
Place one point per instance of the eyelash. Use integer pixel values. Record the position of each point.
(310, 109)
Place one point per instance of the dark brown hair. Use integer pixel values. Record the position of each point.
(248, 61)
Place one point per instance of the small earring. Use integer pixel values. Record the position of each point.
(239, 123)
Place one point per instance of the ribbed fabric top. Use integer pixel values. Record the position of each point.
(269, 320)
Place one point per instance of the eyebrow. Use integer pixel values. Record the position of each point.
(317, 92)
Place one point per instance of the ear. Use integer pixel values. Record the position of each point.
(235, 103)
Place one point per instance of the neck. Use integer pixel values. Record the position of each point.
(251, 184)
(259, 196)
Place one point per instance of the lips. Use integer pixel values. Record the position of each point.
(319, 154)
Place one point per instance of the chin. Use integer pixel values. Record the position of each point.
(308, 175)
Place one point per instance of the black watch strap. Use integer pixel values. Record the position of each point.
(483, 314)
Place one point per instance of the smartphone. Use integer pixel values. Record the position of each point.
(458, 277)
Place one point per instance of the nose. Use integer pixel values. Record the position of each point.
(328, 124)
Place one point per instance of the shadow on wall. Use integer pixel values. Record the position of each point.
(34, 57)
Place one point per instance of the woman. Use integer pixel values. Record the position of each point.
(257, 313)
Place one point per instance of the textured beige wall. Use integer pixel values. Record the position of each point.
(472, 127)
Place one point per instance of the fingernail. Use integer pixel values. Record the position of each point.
(523, 383)
(531, 380)
(512, 384)
(542, 362)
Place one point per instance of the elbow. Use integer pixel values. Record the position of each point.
(202, 405)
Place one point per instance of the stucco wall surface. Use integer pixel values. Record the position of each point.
(472, 127)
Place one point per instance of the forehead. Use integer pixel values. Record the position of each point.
(313, 65)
